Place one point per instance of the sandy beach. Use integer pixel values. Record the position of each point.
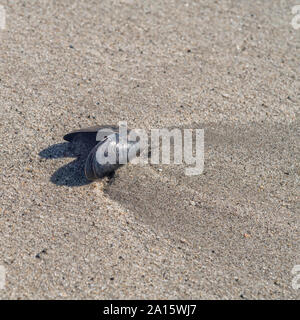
(150, 232)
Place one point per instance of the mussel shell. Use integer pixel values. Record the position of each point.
(84, 140)
(94, 142)
(91, 133)
(97, 165)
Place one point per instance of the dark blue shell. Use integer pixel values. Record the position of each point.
(105, 141)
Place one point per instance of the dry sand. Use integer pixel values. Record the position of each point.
(231, 67)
